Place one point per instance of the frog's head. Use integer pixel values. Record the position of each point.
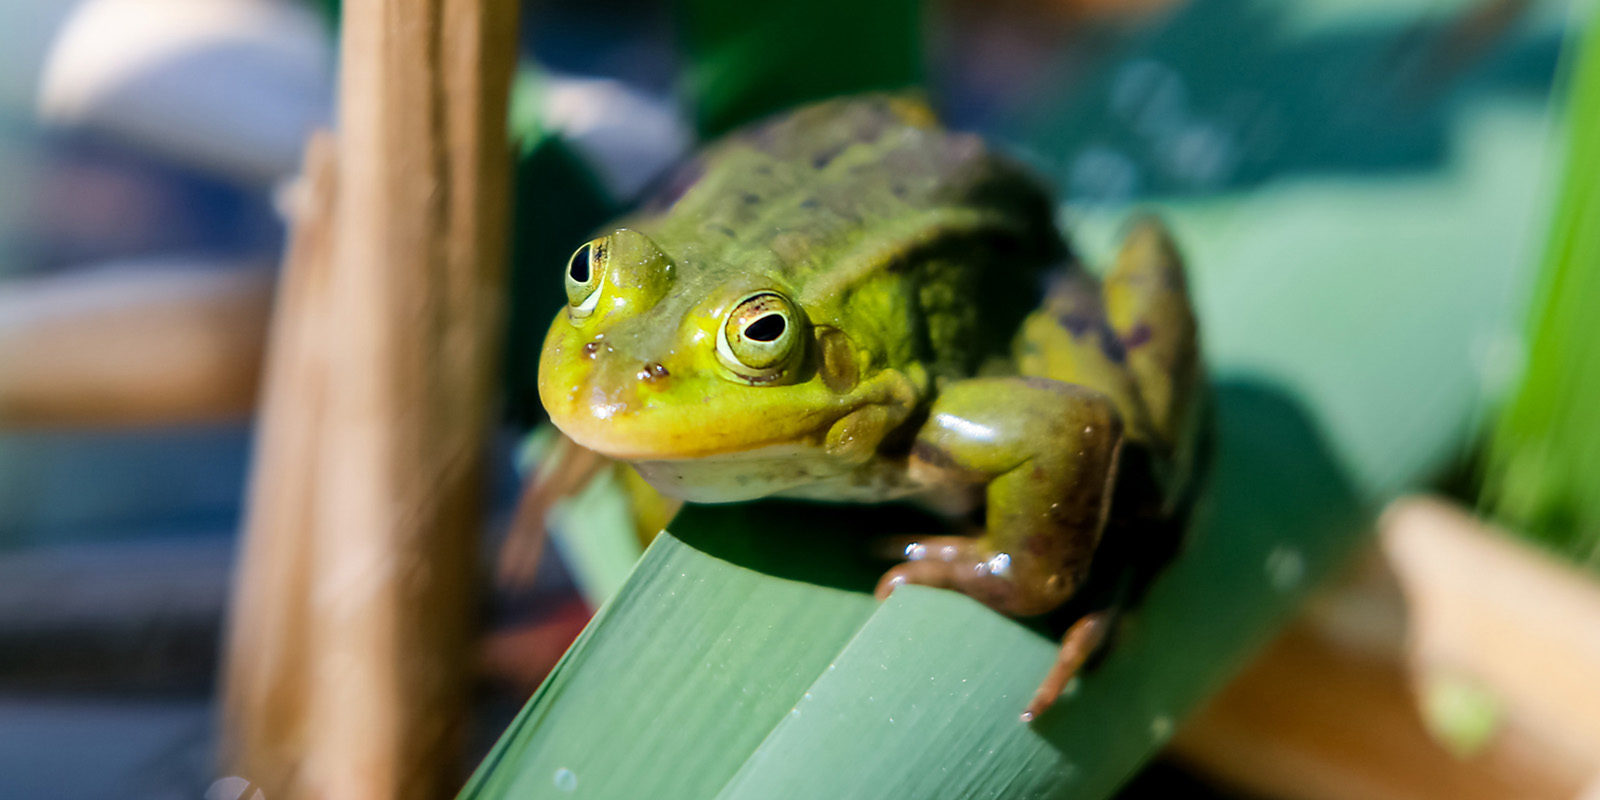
(667, 358)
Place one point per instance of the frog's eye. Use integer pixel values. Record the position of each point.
(583, 278)
(761, 336)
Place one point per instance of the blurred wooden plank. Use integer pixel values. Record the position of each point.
(1332, 709)
(124, 617)
(1313, 720)
(132, 346)
(351, 645)
(1490, 608)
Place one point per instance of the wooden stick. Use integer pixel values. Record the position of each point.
(267, 690)
(351, 643)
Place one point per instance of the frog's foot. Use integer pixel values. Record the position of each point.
(1082, 640)
(962, 564)
(567, 469)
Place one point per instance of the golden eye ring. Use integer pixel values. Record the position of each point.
(761, 336)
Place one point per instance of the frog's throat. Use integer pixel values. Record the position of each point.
(789, 470)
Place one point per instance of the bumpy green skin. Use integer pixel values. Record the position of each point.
(909, 257)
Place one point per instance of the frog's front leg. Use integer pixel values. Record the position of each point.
(1047, 453)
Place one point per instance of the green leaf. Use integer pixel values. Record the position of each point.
(1543, 470)
(735, 665)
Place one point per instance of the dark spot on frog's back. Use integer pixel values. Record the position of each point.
(1075, 322)
(1140, 335)
(821, 159)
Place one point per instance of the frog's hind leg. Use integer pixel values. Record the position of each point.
(1147, 305)
(1070, 339)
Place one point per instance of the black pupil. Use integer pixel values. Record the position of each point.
(578, 267)
(766, 329)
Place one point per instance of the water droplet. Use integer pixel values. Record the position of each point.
(1161, 728)
(566, 780)
(232, 787)
(806, 696)
(1000, 564)
(1150, 96)
(1285, 568)
(916, 551)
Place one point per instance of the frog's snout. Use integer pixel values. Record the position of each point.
(617, 380)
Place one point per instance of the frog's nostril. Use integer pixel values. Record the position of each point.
(653, 371)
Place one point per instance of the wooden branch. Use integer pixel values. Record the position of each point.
(267, 691)
(1333, 708)
(132, 346)
(350, 654)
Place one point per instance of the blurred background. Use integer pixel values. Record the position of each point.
(1367, 191)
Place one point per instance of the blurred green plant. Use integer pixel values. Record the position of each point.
(747, 59)
(1543, 466)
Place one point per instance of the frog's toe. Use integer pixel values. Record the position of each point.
(959, 563)
(920, 573)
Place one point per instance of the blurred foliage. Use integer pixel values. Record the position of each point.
(557, 202)
(1172, 114)
(747, 59)
(1543, 476)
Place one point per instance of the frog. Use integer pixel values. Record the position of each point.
(851, 302)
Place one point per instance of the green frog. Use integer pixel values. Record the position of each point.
(852, 303)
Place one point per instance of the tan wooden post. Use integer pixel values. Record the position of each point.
(348, 658)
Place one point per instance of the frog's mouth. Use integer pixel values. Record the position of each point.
(733, 427)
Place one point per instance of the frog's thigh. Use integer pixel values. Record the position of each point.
(1147, 304)
(1047, 452)
(1069, 339)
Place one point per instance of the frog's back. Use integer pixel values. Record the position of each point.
(836, 194)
